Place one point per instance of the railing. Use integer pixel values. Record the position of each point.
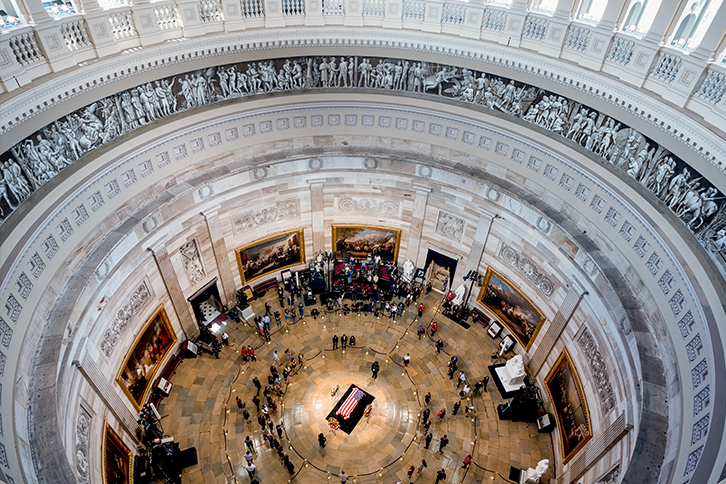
(621, 52)
(167, 17)
(535, 28)
(374, 8)
(666, 67)
(494, 20)
(292, 8)
(713, 87)
(75, 35)
(577, 38)
(210, 11)
(25, 48)
(413, 9)
(333, 7)
(252, 8)
(453, 13)
(122, 25)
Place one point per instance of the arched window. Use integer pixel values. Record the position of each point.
(546, 6)
(694, 23)
(640, 16)
(9, 14)
(591, 10)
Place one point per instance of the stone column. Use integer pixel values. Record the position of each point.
(317, 214)
(611, 15)
(713, 37)
(548, 340)
(171, 282)
(36, 12)
(221, 256)
(564, 9)
(483, 228)
(668, 9)
(420, 199)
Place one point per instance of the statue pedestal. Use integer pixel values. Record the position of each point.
(509, 385)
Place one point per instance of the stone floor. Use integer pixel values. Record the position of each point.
(202, 411)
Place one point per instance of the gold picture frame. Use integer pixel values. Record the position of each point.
(568, 399)
(252, 258)
(357, 241)
(512, 307)
(116, 457)
(145, 357)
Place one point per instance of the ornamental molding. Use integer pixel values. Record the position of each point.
(450, 226)
(192, 261)
(83, 433)
(281, 211)
(133, 305)
(528, 268)
(598, 370)
(369, 205)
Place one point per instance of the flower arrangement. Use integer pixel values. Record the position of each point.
(368, 410)
(334, 424)
(335, 391)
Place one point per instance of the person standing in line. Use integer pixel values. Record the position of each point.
(441, 414)
(406, 359)
(456, 407)
(410, 472)
(240, 404)
(335, 341)
(440, 476)
(261, 421)
(434, 327)
(248, 457)
(429, 437)
(251, 353)
(301, 308)
(250, 445)
(251, 468)
(427, 425)
(421, 308)
(439, 346)
(375, 368)
(451, 372)
(344, 341)
(428, 288)
(322, 440)
(420, 331)
(243, 352)
(427, 398)
(225, 339)
(278, 318)
(275, 357)
(421, 466)
(257, 384)
(343, 477)
(426, 414)
(467, 462)
(477, 387)
(485, 380)
(443, 443)
(279, 431)
(246, 415)
(256, 401)
(268, 309)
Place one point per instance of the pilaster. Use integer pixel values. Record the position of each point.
(557, 325)
(317, 214)
(420, 199)
(173, 288)
(476, 251)
(221, 256)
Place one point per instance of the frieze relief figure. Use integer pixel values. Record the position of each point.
(34, 161)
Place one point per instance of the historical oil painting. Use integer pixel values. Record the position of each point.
(116, 458)
(362, 240)
(511, 306)
(270, 254)
(145, 357)
(568, 399)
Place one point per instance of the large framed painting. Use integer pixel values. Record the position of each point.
(511, 306)
(116, 458)
(362, 240)
(144, 358)
(565, 390)
(271, 254)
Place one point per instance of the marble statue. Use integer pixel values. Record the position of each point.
(514, 371)
(532, 476)
(408, 271)
(459, 295)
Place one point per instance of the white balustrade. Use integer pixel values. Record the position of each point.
(106, 4)
(122, 25)
(413, 9)
(25, 48)
(535, 28)
(210, 11)
(333, 7)
(252, 8)
(666, 67)
(374, 8)
(713, 86)
(453, 13)
(494, 20)
(293, 7)
(167, 17)
(75, 35)
(621, 51)
(577, 38)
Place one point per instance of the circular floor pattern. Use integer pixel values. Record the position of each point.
(389, 430)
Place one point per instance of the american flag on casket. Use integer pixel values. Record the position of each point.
(350, 403)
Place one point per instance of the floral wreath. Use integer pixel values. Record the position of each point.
(334, 424)
(335, 390)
